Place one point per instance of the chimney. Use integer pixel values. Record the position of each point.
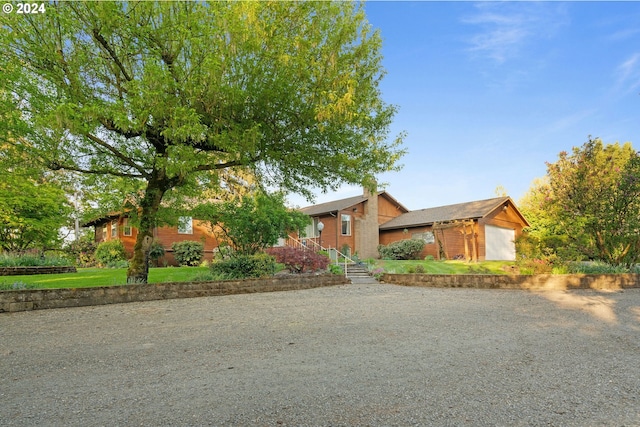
(368, 236)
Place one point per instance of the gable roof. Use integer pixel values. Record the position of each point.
(460, 211)
(338, 205)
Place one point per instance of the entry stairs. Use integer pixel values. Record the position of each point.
(359, 274)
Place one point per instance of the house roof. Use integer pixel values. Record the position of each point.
(461, 211)
(338, 205)
(101, 219)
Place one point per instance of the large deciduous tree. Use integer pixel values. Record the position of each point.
(173, 93)
(591, 202)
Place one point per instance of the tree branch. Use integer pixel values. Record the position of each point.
(117, 153)
(54, 165)
(103, 42)
(109, 125)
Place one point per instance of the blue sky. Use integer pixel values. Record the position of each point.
(488, 92)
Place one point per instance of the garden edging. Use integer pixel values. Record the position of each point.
(24, 271)
(517, 281)
(38, 299)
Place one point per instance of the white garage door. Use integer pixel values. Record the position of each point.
(499, 243)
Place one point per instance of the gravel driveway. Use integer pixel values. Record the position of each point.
(354, 355)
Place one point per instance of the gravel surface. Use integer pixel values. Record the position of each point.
(354, 355)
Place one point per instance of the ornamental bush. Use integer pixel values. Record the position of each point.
(298, 260)
(403, 249)
(244, 266)
(188, 252)
(110, 252)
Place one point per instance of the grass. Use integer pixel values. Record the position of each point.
(443, 267)
(94, 277)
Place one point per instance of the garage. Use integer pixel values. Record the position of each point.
(500, 243)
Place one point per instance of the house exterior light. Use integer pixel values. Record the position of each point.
(320, 228)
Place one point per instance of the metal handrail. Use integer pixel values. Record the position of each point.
(319, 247)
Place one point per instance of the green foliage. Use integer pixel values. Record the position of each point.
(31, 212)
(298, 260)
(156, 251)
(82, 251)
(597, 268)
(32, 260)
(110, 253)
(336, 269)
(188, 252)
(244, 266)
(17, 285)
(589, 205)
(402, 250)
(153, 93)
(252, 224)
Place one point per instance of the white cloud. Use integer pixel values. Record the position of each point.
(505, 29)
(627, 74)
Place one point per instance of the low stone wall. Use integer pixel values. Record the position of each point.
(38, 299)
(24, 271)
(512, 281)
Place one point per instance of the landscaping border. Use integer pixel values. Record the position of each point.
(38, 299)
(29, 270)
(515, 281)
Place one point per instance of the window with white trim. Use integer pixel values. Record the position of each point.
(114, 228)
(126, 228)
(346, 224)
(185, 225)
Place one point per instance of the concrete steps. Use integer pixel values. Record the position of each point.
(359, 274)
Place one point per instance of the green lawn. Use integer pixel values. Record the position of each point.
(91, 277)
(444, 267)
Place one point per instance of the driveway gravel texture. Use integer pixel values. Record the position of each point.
(352, 355)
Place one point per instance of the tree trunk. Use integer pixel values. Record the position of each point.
(139, 264)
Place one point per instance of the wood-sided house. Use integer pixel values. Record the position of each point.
(478, 230)
(351, 225)
(116, 226)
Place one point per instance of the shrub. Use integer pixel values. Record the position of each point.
(429, 258)
(336, 269)
(298, 260)
(82, 251)
(378, 273)
(110, 252)
(156, 251)
(188, 252)
(597, 268)
(402, 250)
(420, 269)
(32, 260)
(244, 266)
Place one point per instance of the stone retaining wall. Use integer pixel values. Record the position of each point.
(512, 281)
(24, 271)
(37, 299)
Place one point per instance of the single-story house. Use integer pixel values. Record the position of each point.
(116, 226)
(478, 230)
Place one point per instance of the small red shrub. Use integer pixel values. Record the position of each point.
(299, 260)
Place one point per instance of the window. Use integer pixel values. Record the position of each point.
(346, 225)
(126, 228)
(427, 236)
(185, 225)
(104, 233)
(312, 228)
(114, 228)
